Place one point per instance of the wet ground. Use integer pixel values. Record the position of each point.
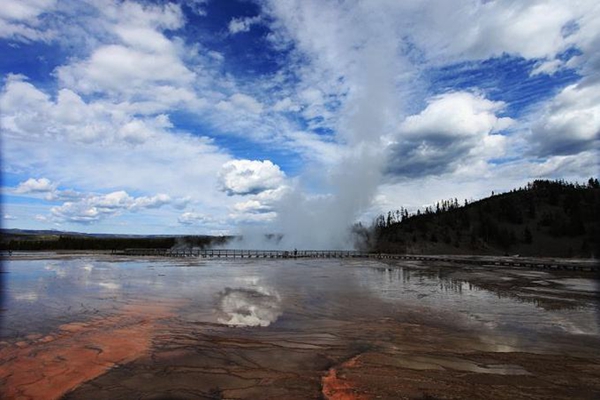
(101, 327)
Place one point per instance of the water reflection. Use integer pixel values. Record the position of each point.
(490, 304)
(42, 294)
(256, 306)
(537, 292)
(175, 325)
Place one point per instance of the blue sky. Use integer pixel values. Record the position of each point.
(213, 117)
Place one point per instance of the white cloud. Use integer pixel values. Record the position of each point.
(120, 69)
(547, 67)
(32, 185)
(244, 177)
(467, 30)
(252, 217)
(457, 114)
(194, 218)
(569, 123)
(23, 10)
(19, 19)
(262, 202)
(101, 147)
(240, 101)
(286, 104)
(165, 16)
(452, 130)
(197, 6)
(49, 189)
(144, 39)
(259, 207)
(129, 58)
(237, 25)
(95, 207)
(29, 113)
(217, 56)
(252, 206)
(573, 167)
(156, 201)
(315, 148)
(193, 165)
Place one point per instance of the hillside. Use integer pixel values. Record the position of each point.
(546, 218)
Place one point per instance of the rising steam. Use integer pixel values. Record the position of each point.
(325, 221)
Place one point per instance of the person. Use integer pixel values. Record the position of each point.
(295, 253)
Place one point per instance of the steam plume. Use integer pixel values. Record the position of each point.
(325, 221)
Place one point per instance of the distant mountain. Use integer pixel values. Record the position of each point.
(52, 232)
(546, 218)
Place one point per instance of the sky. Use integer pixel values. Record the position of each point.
(293, 116)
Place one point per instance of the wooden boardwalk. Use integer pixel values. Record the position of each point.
(524, 262)
(230, 253)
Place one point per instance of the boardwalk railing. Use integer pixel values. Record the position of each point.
(231, 253)
(535, 263)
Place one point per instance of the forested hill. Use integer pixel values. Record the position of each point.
(546, 218)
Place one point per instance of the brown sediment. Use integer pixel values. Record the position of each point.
(338, 387)
(48, 367)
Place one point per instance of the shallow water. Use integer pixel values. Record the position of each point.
(235, 328)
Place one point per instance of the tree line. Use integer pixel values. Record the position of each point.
(69, 242)
(523, 218)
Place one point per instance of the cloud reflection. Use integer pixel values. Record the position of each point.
(256, 306)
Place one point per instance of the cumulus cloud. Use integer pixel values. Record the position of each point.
(453, 127)
(32, 185)
(571, 167)
(246, 177)
(461, 114)
(259, 207)
(95, 207)
(193, 218)
(28, 112)
(569, 123)
(262, 185)
(251, 206)
(132, 59)
(87, 208)
(49, 189)
(85, 135)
